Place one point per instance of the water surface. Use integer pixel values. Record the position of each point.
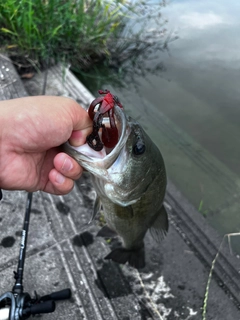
(192, 109)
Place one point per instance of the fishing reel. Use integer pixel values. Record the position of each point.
(21, 306)
(17, 304)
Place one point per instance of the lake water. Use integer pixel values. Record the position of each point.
(192, 109)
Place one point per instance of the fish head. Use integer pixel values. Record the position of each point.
(124, 173)
(98, 162)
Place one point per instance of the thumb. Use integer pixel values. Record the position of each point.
(82, 126)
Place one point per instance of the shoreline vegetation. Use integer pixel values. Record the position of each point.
(91, 36)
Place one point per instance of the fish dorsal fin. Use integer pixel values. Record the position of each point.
(107, 232)
(159, 228)
(96, 209)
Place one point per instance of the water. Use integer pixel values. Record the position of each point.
(192, 110)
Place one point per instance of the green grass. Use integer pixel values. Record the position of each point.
(204, 212)
(84, 33)
(62, 29)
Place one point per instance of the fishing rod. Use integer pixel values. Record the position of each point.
(17, 304)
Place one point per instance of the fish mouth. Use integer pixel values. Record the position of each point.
(88, 157)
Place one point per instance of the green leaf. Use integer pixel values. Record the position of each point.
(8, 31)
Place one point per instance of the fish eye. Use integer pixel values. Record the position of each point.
(139, 147)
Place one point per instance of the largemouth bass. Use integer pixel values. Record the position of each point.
(130, 182)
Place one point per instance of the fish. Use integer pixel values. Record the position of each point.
(130, 182)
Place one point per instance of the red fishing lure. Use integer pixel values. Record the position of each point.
(109, 135)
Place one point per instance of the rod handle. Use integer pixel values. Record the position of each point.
(59, 295)
(43, 307)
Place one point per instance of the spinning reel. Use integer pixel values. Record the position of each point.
(18, 305)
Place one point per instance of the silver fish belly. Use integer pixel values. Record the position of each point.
(130, 181)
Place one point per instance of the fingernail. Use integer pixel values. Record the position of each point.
(59, 178)
(67, 165)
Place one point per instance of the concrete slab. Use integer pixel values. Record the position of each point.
(10, 84)
(63, 253)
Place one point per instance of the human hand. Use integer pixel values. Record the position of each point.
(31, 131)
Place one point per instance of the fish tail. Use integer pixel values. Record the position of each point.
(135, 257)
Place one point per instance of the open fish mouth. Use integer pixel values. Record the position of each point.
(104, 158)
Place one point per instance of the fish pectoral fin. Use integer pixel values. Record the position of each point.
(96, 209)
(107, 232)
(135, 258)
(160, 227)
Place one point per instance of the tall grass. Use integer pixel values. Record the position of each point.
(77, 30)
(84, 33)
